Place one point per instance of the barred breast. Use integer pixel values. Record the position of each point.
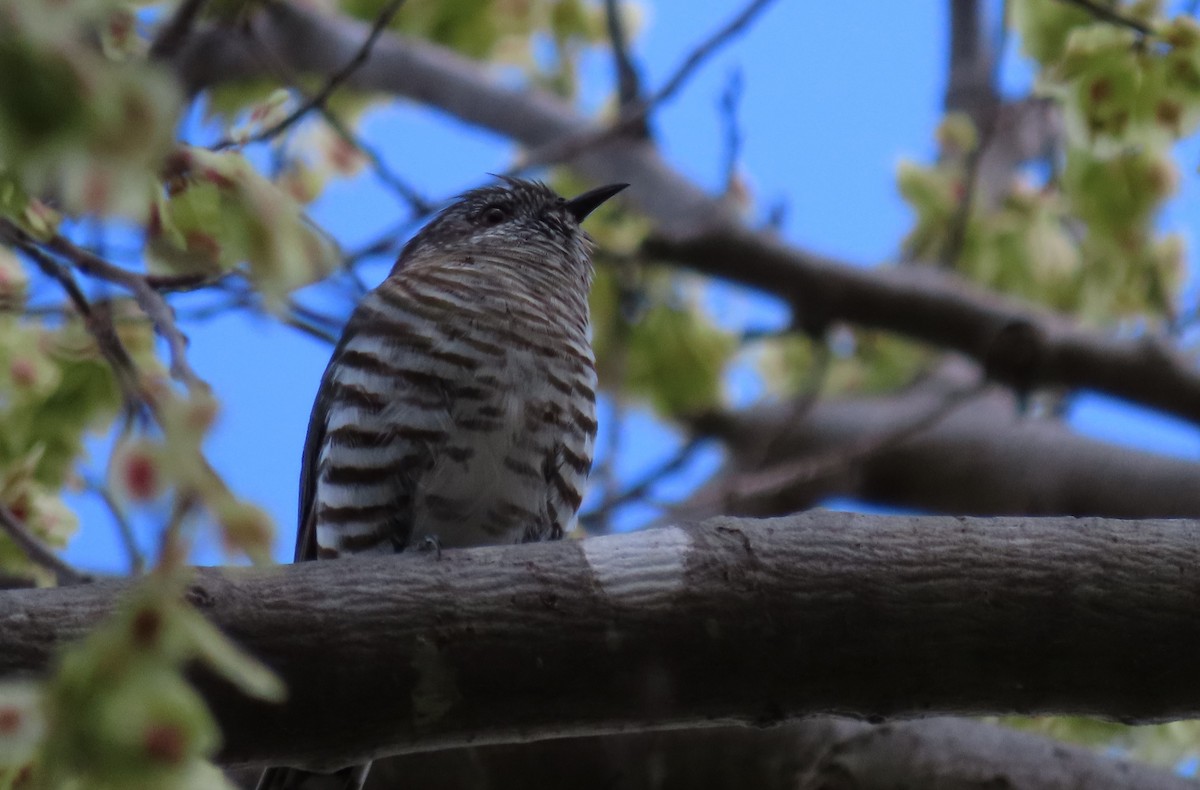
(457, 407)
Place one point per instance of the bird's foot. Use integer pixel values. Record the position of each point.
(431, 543)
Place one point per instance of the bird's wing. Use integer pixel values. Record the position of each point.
(382, 373)
(306, 532)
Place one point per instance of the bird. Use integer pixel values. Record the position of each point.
(458, 407)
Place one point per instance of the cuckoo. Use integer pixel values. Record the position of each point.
(459, 406)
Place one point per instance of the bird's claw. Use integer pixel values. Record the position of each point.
(431, 543)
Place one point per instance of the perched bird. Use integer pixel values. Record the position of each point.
(459, 405)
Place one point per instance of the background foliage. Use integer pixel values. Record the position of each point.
(121, 194)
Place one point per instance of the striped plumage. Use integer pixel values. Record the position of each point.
(459, 404)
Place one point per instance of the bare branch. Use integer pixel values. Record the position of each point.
(629, 84)
(704, 50)
(176, 29)
(827, 753)
(1034, 465)
(896, 617)
(178, 283)
(970, 84)
(149, 300)
(971, 89)
(595, 520)
(731, 493)
(636, 114)
(420, 206)
(137, 561)
(730, 98)
(947, 312)
(1107, 14)
(37, 551)
(101, 330)
(334, 81)
(930, 306)
(312, 330)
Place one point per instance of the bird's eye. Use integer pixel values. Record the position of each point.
(494, 215)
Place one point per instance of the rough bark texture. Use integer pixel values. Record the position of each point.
(731, 621)
(983, 458)
(825, 753)
(1021, 344)
(932, 754)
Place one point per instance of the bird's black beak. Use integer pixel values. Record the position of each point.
(589, 201)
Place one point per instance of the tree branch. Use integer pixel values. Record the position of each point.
(38, 552)
(732, 621)
(171, 34)
(144, 293)
(335, 80)
(945, 311)
(1107, 14)
(704, 233)
(814, 753)
(1032, 465)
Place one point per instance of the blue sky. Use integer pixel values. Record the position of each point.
(834, 96)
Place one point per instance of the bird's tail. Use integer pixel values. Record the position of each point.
(352, 778)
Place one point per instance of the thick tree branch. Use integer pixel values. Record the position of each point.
(814, 753)
(732, 621)
(169, 36)
(969, 84)
(983, 459)
(700, 231)
(947, 312)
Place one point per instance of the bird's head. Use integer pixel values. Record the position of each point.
(516, 222)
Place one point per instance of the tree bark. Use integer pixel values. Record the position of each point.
(1022, 344)
(983, 458)
(824, 753)
(732, 621)
(818, 753)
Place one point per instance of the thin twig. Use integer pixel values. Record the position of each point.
(807, 470)
(417, 202)
(706, 49)
(137, 560)
(102, 331)
(179, 283)
(957, 236)
(802, 404)
(1106, 14)
(568, 147)
(315, 317)
(730, 99)
(147, 298)
(974, 159)
(331, 84)
(605, 474)
(324, 335)
(173, 33)
(387, 243)
(629, 89)
(598, 515)
(37, 551)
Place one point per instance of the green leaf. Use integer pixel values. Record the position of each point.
(24, 723)
(1045, 25)
(251, 676)
(676, 358)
